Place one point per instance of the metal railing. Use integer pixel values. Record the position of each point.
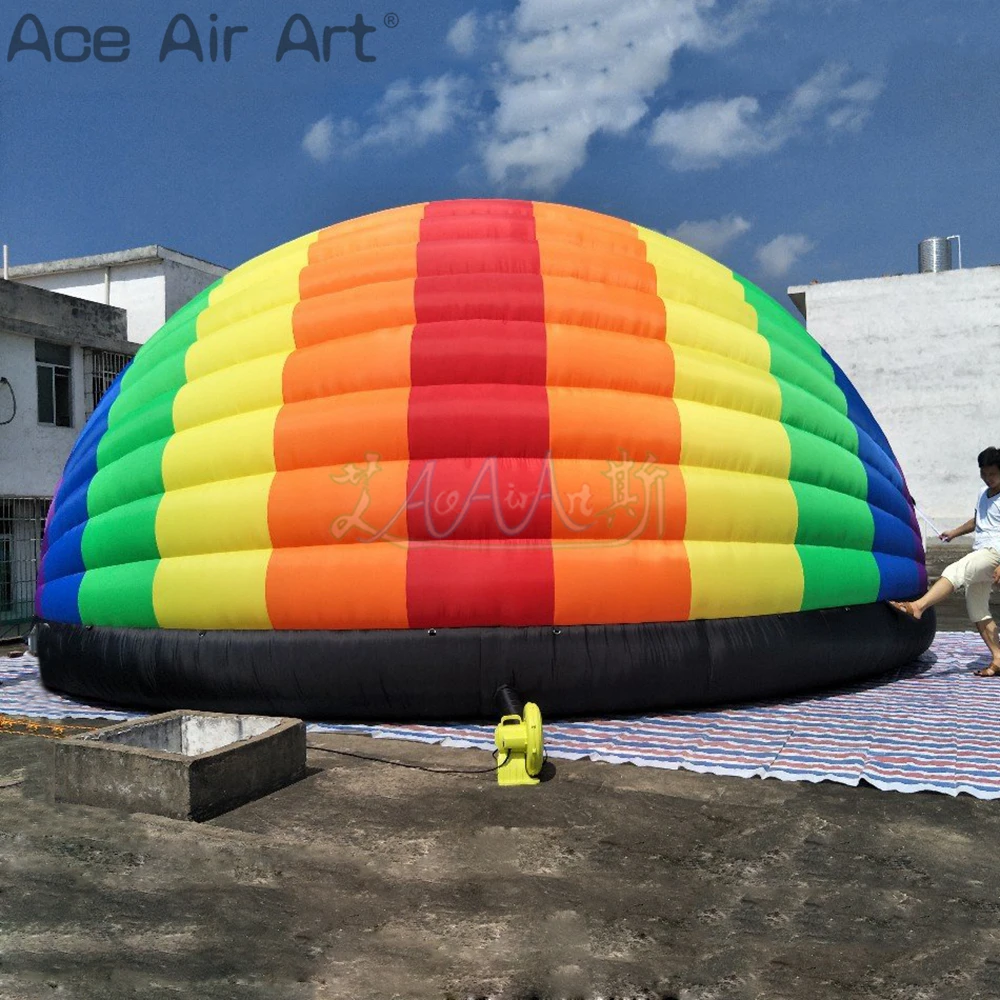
(22, 522)
(100, 369)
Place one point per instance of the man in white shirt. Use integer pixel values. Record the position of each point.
(980, 569)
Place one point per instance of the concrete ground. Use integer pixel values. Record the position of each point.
(367, 880)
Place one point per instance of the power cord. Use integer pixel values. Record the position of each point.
(13, 400)
(415, 767)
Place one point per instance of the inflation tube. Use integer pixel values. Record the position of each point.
(509, 701)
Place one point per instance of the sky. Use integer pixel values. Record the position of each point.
(792, 140)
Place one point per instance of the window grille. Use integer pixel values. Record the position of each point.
(100, 369)
(22, 522)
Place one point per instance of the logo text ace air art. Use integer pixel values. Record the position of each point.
(183, 38)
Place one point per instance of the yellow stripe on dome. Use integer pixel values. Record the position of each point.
(230, 391)
(685, 275)
(255, 322)
(255, 337)
(224, 590)
(729, 507)
(226, 516)
(246, 278)
(224, 449)
(719, 381)
(727, 439)
(692, 326)
(739, 579)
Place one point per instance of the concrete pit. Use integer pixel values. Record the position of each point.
(182, 764)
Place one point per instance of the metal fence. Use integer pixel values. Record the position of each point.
(22, 521)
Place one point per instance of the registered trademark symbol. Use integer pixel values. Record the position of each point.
(391, 20)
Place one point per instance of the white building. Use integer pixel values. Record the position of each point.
(67, 328)
(58, 356)
(923, 350)
(151, 283)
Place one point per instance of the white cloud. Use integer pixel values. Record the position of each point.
(410, 115)
(462, 34)
(318, 141)
(563, 73)
(573, 69)
(711, 236)
(778, 255)
(707, 134)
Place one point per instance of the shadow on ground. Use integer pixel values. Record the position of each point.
(366, 881)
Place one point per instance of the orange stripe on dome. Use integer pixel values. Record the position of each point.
(623, 518)
(603, 307)
(616, 501)
(340, 439)
(602, 425)
(355, 284)
(639, 581)
(616, 270)
(353, 310)
(337, 587)
(598, 359)
(366, 361)
(342, 245)
(340, 504)
(563, 224)
(384, 220)
(334, 273)
(619, 508)
(619, 505)
(342, 429)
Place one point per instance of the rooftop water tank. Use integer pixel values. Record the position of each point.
(934, 254)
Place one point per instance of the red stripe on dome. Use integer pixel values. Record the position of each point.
(478, 371)
(476, 351)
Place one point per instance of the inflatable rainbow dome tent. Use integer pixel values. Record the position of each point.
(383, 469)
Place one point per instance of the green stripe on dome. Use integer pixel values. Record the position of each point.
(153, 422)
(837, 577)
(800, 409)
(827, 478)
(122, 534)
(827, 517)
(119, 596)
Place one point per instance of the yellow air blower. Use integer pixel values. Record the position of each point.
(520, 751)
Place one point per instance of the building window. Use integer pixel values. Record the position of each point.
(55, 396)
(100, 369)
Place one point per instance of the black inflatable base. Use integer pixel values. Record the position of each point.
(452, 674)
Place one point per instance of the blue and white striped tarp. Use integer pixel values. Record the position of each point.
(928, 726)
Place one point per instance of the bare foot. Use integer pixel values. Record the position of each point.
(993, 670)
(908, 609)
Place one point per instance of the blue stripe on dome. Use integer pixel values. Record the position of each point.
(70, 510)
(870, 453)
(884, 496)
(63, 561)
(900, 578)
(64, 556)
(59, 600)
(858, 412)
(893, 537)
